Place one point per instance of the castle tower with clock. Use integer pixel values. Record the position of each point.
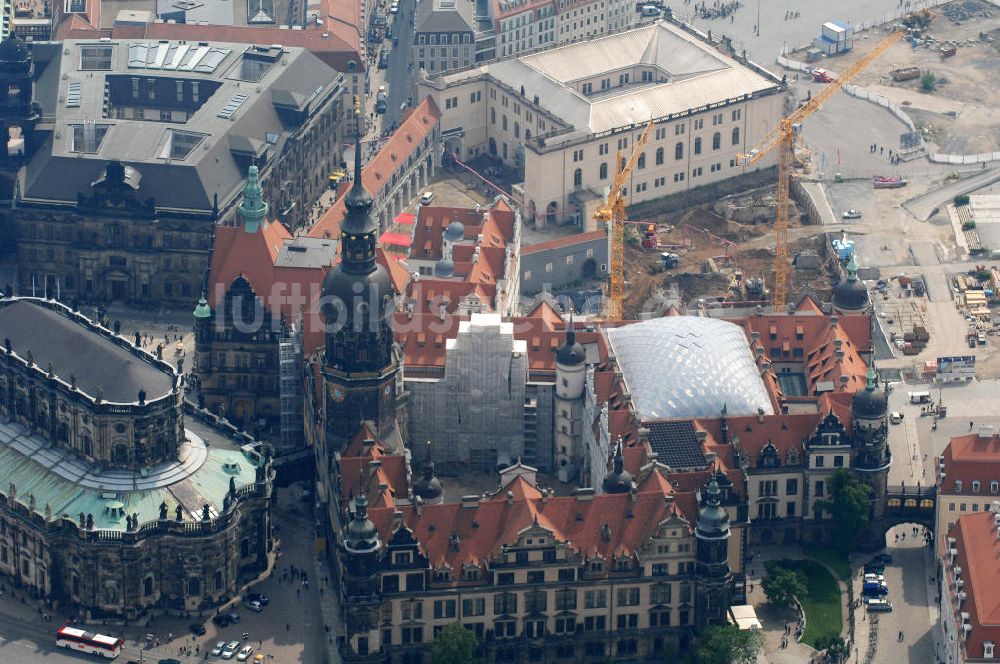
(362, 376)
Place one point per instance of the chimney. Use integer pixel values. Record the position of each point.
(710, 458)
(584, 495)
(837, 343)
(986, 431)
(833, 321)
(760, 415)
(374, 465)
(700, 435)
(510, 497)
(397, 519)
(839, 353)
(470, 502)
(754, 335)
(418, 505)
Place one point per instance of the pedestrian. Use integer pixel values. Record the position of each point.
(881, 150)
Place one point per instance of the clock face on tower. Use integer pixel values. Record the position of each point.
(338, 394)
(387, 390)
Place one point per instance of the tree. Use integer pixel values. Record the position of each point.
(848, 504)
(728, 644)
(835, 647)
(454, 645)
(928, 81)
(782, 586)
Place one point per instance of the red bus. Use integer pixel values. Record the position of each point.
(89, 642)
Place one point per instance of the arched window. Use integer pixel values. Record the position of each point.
(493, 116)
(517, 129)
(527, 134)
(603, 174)
(121, 453)
(147, 586)
(697, 145)
(642, 161)
(194, 586)
(679, 151)
(716, 141)
(736, 135)
(659, 156)
(578, 177)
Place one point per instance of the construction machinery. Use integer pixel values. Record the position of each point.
(612, 215)
(783, 138)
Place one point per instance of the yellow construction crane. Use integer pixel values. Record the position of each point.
(783, 138)
(612, 214)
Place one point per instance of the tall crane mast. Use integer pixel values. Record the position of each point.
(783, 137)
(612, 214)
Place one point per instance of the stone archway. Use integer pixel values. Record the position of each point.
(551, 211)
(589, 270)
(452, 150)
(493, 146)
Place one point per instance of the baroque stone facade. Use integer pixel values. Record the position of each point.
(109, 505)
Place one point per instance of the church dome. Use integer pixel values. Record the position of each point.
(871, 402)
(454, 232)
(352, 297)
(713, 521)
(445, 267)
(851, 294)
(570, 353)
(13, 49)
(618, 480)
(428, 487)
(361, 534)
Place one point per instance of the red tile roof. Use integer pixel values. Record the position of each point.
(580, 523)
(332, 48)
(371, 469)
(377, 173)
(565, 241)
(978, 548)
(235, 252)
(970, 458)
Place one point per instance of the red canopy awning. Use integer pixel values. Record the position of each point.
(406, 218)
(396, 239)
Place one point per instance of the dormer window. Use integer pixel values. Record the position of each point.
(958, 486)
(596, 565)
(987, 650)
(975, 486)
(994, 487)
(401, 558)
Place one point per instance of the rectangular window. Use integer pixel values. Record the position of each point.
(766, 511)
(792, 487)
(473, 607)
(820, 489)
(595, 599)
(628, 597)
(505, 579)
(444, 608)
(838, 461)
(820, 461)
(789, 509)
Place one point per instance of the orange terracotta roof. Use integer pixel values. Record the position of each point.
(377, 173)
(482, 531)
(284, 290)
(978, 549)
(565, 241)
(970, 458)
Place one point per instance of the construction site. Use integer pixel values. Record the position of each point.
(722, 256)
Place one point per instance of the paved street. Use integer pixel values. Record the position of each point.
(913, 609)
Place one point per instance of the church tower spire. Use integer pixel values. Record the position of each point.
(253, 209)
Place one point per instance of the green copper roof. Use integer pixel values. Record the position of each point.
(202, 310)
(253, 209)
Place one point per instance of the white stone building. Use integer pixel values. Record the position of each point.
(560, 116)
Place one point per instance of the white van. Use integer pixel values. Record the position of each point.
(895, 417)
(920, 397)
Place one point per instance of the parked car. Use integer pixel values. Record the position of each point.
(254, 606)
(874, 577)
(879, 605)
(196, 629)
(233, 617)
(851, 214)
(874, 589)
(222, 620)
(245, 653)
(169, 660)
(874, 568)
(895, 417)
(263, 599)
(884, 558)
(426, 197)
(230, 650)
(217, 650)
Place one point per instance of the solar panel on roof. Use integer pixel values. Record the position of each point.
(211, 60)
(232, 106)
(675, 444)
(73, 94)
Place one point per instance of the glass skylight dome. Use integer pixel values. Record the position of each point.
(687, 366)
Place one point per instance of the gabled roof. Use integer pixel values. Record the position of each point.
(978, 549)
(564, 241)
(393, 155)
(605, 525)
(968, 458)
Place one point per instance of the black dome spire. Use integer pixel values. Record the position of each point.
(870, 402)
(570, 353)
(620, 480)
(851, 294)
(358, 201)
